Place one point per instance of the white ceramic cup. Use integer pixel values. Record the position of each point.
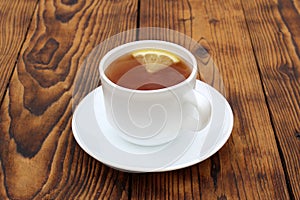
(154, 117)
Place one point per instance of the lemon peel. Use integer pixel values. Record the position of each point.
(155, 60)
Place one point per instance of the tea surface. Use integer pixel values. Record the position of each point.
(128, 72)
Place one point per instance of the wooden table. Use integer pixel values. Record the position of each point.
(255, 44)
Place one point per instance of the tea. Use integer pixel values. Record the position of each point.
(148, 70)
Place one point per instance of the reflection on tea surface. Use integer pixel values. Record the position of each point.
(148, 70)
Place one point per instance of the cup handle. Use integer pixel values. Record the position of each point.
(196, 103)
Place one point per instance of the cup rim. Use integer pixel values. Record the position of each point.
(173, 87)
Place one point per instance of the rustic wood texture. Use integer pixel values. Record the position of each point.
(15, 18)
(39, 156)
(44, 45)
(249, 165)
(280, 74)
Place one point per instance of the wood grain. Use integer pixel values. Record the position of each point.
(255, 45)
(39, 156)
(249, 165)
(15, 18)
(279, 38)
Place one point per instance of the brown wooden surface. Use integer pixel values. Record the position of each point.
(280, 75)
(15, 18)
(255, 45)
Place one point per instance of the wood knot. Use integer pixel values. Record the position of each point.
(297, 134)
(202, 52)
(69, 2)
(261, 176)
(66, 12)
(191, 18)
(288, 70)
(213, 21)
(45, 54)
(222, 197)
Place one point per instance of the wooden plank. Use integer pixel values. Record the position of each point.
(39, 156)
(15, 17)
(249, 165)
(278, 37)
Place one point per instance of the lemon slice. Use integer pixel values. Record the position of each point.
(155, 60)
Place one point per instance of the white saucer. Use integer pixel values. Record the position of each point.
(96, 136)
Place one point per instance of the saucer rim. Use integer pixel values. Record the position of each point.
(225, 136)
(218, 147)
